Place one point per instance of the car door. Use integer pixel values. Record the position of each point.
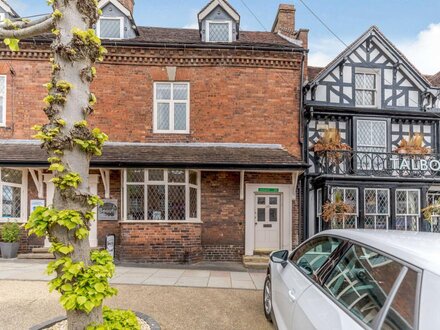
(352, 295)
(289, 281)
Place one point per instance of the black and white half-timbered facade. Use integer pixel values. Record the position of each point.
(373, 100)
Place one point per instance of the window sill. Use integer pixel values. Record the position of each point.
(172, 132)
(162, 221)
(6, 220)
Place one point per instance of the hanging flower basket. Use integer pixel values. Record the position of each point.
(336, 211)
(331, 141)
(413, 146)
(430, 210)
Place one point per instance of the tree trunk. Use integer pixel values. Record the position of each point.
(74, 159)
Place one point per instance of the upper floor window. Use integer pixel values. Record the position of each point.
(366, 89)
(171, 108)
(219, 31)
(110, 28)
(11, 192)
(2, 100)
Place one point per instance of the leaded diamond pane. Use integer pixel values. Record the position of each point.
(378, 133)
(135, 175)
(193, 177)
(110, 28)
(369, 222)
(382, 202)
(180, 116)
(176, 202)
(156, 202)
(351, 198)
(401, 202)
(135, 202)
(11, 202)
(370, 81)
(156, 175)
(351, 222)
(370, 202)
(413, 202)
(359, 80)
(176, 176)
(180, 92)
(163, 91)
(11, 176)
(163, 116)
(368, 98)
(360, 97)
(219, 32)
(193, 203)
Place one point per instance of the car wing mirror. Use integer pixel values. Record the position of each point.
(280, 257)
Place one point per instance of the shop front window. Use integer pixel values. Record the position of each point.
(162, 195)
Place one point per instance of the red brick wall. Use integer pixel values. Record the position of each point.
(160, 242)
(228, 103)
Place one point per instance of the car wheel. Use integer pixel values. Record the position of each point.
(267, 298)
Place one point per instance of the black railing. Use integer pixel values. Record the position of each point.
(364, 163)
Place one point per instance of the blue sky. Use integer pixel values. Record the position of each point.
(413, 25)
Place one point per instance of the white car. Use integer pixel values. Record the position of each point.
(356, 279)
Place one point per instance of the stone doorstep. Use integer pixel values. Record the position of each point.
(256, 261)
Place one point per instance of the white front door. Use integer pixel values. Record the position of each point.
(267, 221)
(93, 183)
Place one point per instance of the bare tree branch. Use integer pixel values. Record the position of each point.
(31, 30)
(23, 23)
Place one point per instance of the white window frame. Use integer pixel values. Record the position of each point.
(2, 17)
(377, 214)
(3, 117)
(24, 197)
(171, 102)
(408, 215)
(435, 217)
(376, 91)
(208, 22)
(371, 121)
(121, 24)
(165, 183)
(356, 213)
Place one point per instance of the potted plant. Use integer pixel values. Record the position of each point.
(331, 141)
(10, 238)
(413, 146)
(337, 210)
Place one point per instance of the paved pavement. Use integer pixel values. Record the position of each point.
(27, 303)
(31, 271)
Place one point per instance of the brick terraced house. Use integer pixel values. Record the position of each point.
(204, 153)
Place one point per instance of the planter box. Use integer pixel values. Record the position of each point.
(9, 250)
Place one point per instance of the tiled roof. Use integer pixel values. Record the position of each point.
(168, 37)
(313, 71)
(435, 79)
(209, 156)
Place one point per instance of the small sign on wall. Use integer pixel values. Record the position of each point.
(36, 203)
(109, 210)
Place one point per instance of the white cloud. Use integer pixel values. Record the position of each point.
(424, 51)
(323, 51)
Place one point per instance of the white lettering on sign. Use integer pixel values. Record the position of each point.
(416, 164)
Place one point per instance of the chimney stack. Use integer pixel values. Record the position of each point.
(129, 4)
(285, 21)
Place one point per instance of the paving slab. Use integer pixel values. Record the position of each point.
(193, 281)
(243, 285)
(219, 282)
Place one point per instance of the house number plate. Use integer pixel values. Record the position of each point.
(267, 226)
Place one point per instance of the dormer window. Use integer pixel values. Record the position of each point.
(219, 31)
(110, 28)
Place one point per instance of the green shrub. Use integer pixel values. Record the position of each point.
(10, 232)
(116, 319)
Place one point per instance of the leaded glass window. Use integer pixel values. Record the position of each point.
(11, 193)
(348, 196)
(377, 208)
(407, 209)
(219, 31)
(366, 89)
(111, 28)
(2, 100)
(434, 223)
(171, 107)
(162, 195)
(372, 137)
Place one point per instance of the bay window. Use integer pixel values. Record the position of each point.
(407, 209)
(12, 192)
(162, 195)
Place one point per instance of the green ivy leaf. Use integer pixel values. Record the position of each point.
(12, 43)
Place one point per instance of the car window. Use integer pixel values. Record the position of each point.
(401, 315)
(362, 281)
(310, 256)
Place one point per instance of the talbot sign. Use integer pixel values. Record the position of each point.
(432, 165)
